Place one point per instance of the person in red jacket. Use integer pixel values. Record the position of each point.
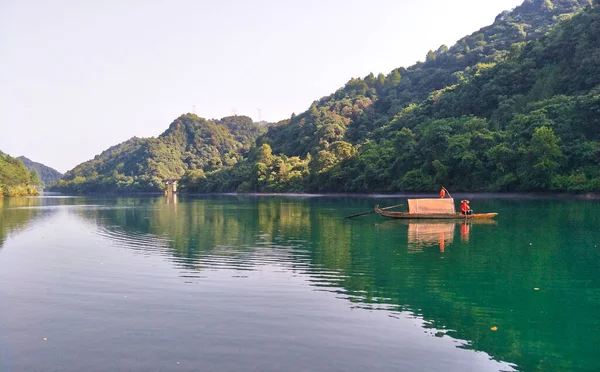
(465, 208)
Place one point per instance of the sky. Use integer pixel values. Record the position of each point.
(77, 77)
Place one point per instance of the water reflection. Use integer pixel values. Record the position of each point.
(441, 234)
(485, 279)
(207, 235)
(425, 234)
(16, 214)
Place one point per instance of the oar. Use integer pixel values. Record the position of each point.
(373, 211)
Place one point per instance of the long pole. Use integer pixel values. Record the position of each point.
(447, 192)
(373, 211)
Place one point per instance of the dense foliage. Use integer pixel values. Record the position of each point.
(141, 164)
(47, 175)
(15, 178)
(512, 107)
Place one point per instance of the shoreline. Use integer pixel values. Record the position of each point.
(457, 195)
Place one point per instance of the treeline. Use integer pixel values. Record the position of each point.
(15, 178)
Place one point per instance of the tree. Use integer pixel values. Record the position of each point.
(35, 179)
(431, 57)
(265, 154)
(394, 78)
(543, 156)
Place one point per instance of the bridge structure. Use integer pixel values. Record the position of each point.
(171, 185)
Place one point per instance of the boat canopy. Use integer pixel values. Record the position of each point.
(431, 206)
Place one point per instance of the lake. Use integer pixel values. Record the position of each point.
(285, 283)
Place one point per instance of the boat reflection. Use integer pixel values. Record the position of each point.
(429, 234)
(439, 233)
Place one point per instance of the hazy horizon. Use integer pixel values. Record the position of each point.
(78, 78)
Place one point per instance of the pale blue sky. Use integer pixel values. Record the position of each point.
(79, 76)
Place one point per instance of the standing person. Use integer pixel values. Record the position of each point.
(465, 208)
(443, 192)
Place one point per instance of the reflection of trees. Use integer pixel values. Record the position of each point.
(15, 214)
(472, 286)
(18, 212)
(224, 227)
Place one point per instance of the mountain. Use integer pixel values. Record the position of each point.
(47, 175)
(15, 178)
(363, 105)
(511, 107)
(141, 164)
(529, 122)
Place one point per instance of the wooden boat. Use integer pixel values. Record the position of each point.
(450, 216)
(392, 222)
(442, 209)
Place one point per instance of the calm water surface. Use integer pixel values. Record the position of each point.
(234, 283)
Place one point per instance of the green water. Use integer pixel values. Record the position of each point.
(285, 283)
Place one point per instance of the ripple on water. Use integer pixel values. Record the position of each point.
(136, 241)
(219, 257)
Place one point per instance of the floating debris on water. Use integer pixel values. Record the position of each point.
(494, 328)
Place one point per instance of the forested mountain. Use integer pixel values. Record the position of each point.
(141, 164)
(512, 107)
(351, 113)
(46, 174)
(15, 178)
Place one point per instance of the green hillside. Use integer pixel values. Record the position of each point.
(47, 175)
(512, 107)
(15, 178)
(141, 164)
(354, 111)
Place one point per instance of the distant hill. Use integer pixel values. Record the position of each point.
(141, 164)
(47, 175)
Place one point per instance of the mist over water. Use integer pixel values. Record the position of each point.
(285, 283)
